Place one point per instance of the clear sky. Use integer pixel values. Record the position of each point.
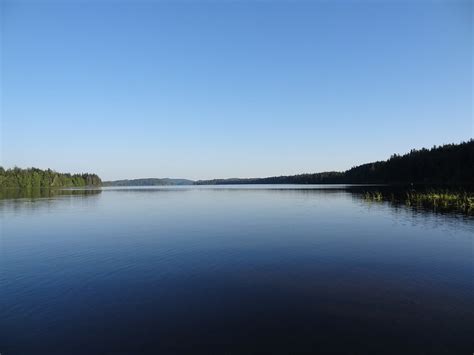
(202, 89)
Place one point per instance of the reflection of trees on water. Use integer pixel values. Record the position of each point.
(426, 200)
(32, 199)
(422, 199)
(45, 193)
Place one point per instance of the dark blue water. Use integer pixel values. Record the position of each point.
(232, 271)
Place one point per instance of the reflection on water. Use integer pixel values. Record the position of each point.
(442, 200)
(44, 193)
(391, 196)
(272, 269)
(15, 200)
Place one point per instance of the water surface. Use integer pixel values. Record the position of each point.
(232, 269)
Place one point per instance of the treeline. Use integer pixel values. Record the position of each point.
(148, 182)
(332, 177)
(34, 178)
(447, 164)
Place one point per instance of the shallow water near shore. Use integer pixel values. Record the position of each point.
(232, 269)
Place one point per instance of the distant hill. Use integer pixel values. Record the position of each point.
(148, 182)
(447, 164)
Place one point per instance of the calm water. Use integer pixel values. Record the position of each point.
(232, 270)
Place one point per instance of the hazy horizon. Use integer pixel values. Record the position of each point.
(202, 90)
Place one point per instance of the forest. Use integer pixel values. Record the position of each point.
(450, 164)
(33, 178)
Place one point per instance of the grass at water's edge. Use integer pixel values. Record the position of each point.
(436, 200)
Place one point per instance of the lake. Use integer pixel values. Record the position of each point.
(232, 270)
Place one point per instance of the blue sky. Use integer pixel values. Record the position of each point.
(203, 89)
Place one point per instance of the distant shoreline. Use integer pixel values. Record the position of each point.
(447, 165)
(450, 164)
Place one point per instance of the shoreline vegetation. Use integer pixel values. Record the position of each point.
(34, 178)
(433, 199)
(440, 178)
(450, 164)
